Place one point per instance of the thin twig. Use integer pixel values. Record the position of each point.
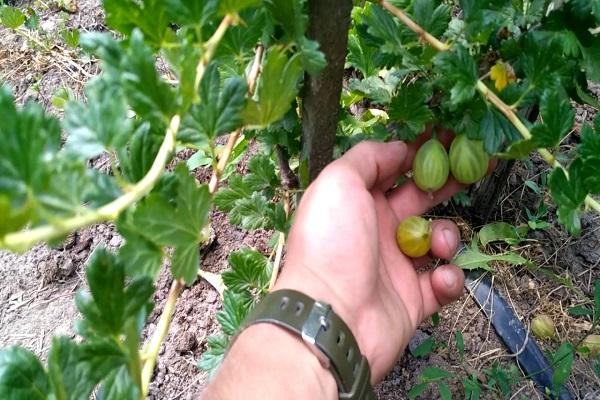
(486, 92)
(233, 137)
(289, 180)
(21, 241)
(149, 353)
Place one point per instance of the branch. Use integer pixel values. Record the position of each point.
(21, 241)
(215, 179)
(487, 93)
(413, 26)
(150, 350)
(289, 180)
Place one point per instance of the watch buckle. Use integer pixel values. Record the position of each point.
(317, 322)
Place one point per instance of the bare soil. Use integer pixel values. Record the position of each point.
(37, 288)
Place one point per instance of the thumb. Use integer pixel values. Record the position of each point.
(441, 286)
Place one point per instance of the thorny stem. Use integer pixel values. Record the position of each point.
(21, 241)
(486, 92)
(289, 180)
(413, 26)
(210, 46)
(233, 137)
(280, 244)
(150, 350)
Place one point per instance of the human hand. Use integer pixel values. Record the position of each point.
(342, 249)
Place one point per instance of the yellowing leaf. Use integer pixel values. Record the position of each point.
(502, 74)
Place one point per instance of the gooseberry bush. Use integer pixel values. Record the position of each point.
(246, 69)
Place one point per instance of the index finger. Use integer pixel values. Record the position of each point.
(377, 165)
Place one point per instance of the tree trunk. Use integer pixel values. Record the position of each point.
(328, 24)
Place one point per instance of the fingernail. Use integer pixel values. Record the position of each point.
(449, 278)
(451, 240)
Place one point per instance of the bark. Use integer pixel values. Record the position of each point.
(328, 24)
(289, 180)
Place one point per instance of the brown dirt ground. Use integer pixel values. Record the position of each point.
(37, 289)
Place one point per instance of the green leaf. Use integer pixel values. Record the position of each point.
(424, 348)
(473, 258)
(562, 362)
(212, 358)
(235, 6)
(569, 194)
(190, 12)
(383, 26)
(261, 174)
(589, 151)
(136, 160)
(289, 15)
(472, 388)
(235, 309)
(375, 88)
(417, 390)
(313, 60)
(432, 16)
(409, 107)
(444, 389)
(149, 16)
(110, 303)
(104, 356)
(180, 226)
(591, 61)
(147, 92)
(494, 130)
(460, 344)
(131, 64)
(251, 212)
(22, 376)
(277, 88)
(498, 231)
(458, 72)
(11, 17)
(219, 111)
(99, 125)
(227, 197)
(30, 141)
(71, 37)
(360, 55)
(433, 374)
(541, 66)
(558, 118)
(140, 254)
(119, 386)
(250, 272)
(579, 311)
(70, 377)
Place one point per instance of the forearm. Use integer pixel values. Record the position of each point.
(266, 362)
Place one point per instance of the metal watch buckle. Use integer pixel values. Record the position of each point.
(317, 322)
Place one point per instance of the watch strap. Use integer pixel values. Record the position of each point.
(324, 332)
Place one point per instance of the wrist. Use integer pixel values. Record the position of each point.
(264, 356)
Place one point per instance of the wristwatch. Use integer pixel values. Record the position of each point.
(327, 336)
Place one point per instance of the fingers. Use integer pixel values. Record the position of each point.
(440, 287)
(445, 238)
(408, 199)
(376, 164)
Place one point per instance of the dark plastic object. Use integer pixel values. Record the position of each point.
(512, 332)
